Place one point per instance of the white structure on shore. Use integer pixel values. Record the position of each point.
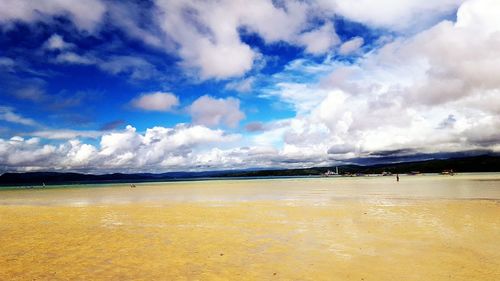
(330, 173)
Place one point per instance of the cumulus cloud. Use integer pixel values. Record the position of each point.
(351, 46)
(207, 37)
(416, 92)
(392, 14)
(211, 111)
(438, 74)
(208, 33)
(319, 41)
(25, 154)
(87, 15)
(432, 90)
(157, 149)
(156, 101)
(56, 42)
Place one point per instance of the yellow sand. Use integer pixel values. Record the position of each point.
(374, 238)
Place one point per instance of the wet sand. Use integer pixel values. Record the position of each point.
(422, 228)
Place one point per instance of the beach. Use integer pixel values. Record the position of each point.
(426, 227)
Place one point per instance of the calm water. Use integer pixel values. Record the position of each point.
(372, 228)
(461, 186)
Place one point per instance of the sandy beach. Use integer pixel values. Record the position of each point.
(371, 228)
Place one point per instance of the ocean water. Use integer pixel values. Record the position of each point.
(460, 186)
(428, 227)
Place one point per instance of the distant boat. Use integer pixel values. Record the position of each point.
(447, 172)
(414, 173)
(385, 174)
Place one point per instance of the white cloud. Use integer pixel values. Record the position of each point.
(73, 58)
(208, 33)
(131, 17)
(244, 85)
(25, 154)
(158, 149)
(351, 46)
(8, 114)
(135, 67)
(481, 15)
(56, 42)
(120, 142)
(398, 96)
(87, 15)
(6, 62)
(33, 93)
(302, 96)
(207, 37)
(392, 14)
(78, 154)
(434, 91)
(319, 41)
(157, 101)
(62, 134)
(441, 73)
(211, 111)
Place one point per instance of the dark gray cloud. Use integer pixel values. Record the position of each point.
(341, 149)
(372, 160)
(255, 127)
(449, 122)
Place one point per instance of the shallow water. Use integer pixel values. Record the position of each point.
(371, 228)
(461, 186)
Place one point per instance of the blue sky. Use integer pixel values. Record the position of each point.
(173, 85)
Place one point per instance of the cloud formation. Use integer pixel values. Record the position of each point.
(392, 14)
(426, 90)
(56, 42)
(134, 67)
(156, 101)
(207, 35)
(86, 15)
(416, 92)
(210, 111)
(8, 114)
(351, 46)
(157, 149)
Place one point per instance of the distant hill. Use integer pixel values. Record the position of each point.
(485, 163)
(37, 178)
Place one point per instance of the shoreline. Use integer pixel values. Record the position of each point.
(90, 184)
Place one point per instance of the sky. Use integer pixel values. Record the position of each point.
(102, 86)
